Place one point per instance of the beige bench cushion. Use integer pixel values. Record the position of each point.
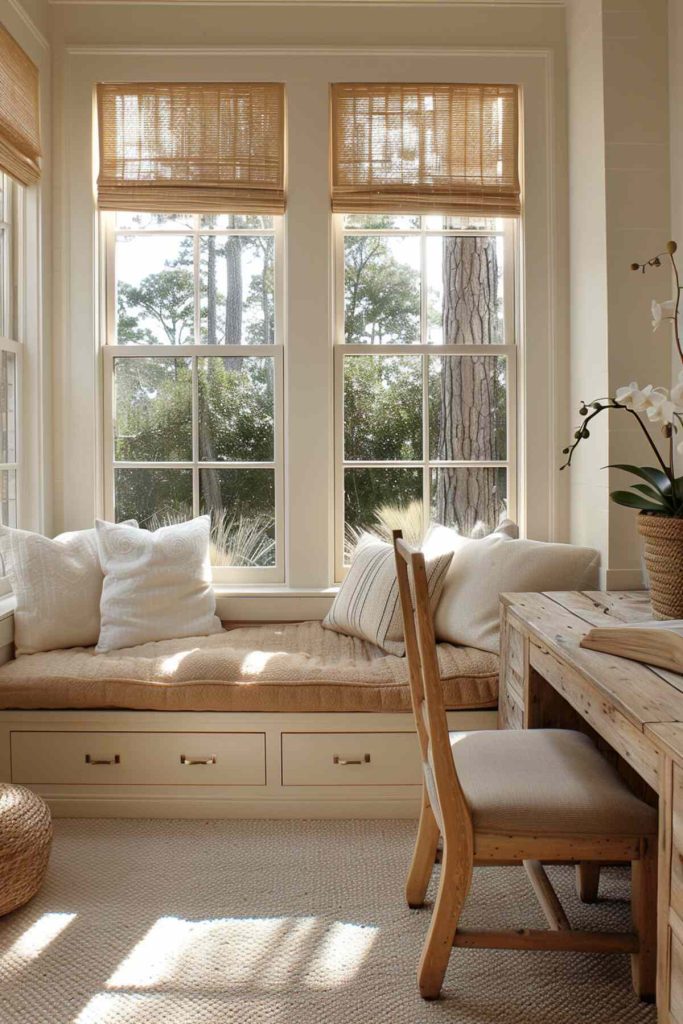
(293, 667)
(545, 782)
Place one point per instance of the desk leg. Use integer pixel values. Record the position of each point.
(544, 708)
(587, 881)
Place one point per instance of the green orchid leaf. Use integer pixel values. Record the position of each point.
(631, 500)
(651, 474)
(650, 492)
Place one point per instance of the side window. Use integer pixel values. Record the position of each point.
(10, 351)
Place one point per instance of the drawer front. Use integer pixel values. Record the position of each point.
(351, 759)
(139, 759)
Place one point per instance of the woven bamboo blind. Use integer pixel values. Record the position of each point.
(425, 148)
(186, 147)
(19, 112)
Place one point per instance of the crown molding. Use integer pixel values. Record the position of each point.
(96, 50)
(29, 24)
(310, 3)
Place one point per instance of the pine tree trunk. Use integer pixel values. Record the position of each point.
(233, 298)
(467, 498)
(211, 291)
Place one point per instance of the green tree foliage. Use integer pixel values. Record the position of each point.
(383, 399)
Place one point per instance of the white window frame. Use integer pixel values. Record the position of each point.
(111, 351)
(11, 219)
(510, 350)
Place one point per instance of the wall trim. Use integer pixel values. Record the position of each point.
(534, 4)
(30, 24)
(305, 51)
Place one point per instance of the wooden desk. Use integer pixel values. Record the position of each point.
(631, 710)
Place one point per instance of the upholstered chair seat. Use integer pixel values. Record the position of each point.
(545, 782)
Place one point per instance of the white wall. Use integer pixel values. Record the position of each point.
(619, 200)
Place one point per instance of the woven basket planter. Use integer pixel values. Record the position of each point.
(663, 554)
(25, 838)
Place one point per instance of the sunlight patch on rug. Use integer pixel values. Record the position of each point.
(37, 938)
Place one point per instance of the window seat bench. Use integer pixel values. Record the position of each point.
(286, 720)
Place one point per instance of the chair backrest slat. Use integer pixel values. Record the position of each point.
(453, 812)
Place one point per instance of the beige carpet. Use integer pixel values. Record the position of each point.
(179, 922)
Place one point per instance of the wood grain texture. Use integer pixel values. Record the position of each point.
(638, 693)
(445, 803)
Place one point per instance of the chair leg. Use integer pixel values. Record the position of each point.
(587, 881)
(424, 855)
(644, 910)
(454, 885)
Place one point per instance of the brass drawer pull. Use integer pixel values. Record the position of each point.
(116, 759)
(348, 760)
(197, 760)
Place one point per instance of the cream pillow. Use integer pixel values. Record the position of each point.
(368, 605)
(469, 610)
(57, 585)
(157, 586)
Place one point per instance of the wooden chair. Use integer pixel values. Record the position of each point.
(511, 797)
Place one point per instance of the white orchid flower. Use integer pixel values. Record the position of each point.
(662, 411)
(662, 311)
(640, 399)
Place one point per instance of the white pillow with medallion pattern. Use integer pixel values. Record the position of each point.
(157, 586)
(368, 604)
(57, 586)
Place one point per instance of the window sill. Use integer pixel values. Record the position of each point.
(268, 603)
(235, 603)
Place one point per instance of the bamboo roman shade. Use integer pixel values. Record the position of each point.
(192, 147)
(19, 112)
(425, 148)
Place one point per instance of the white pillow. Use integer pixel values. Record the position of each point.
(57, 585)
(368, 604)
(469, 610)
(157, 586)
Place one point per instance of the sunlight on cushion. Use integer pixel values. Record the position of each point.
(256, 661)
(343, 950)
(172, 663)
(39, 936)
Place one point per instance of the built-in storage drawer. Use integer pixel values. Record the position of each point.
(350, 759)
(139, 758)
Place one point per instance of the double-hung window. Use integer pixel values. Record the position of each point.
(194, 380)
(426, 192)
(10, 351)
(425, 366)
(194, 354)
(19, 166)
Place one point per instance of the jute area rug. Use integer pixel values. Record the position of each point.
(283, 922)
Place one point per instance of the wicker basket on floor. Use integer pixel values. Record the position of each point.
(663, 553)
(25, 838)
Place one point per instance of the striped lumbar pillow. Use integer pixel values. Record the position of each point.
(368, 605)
